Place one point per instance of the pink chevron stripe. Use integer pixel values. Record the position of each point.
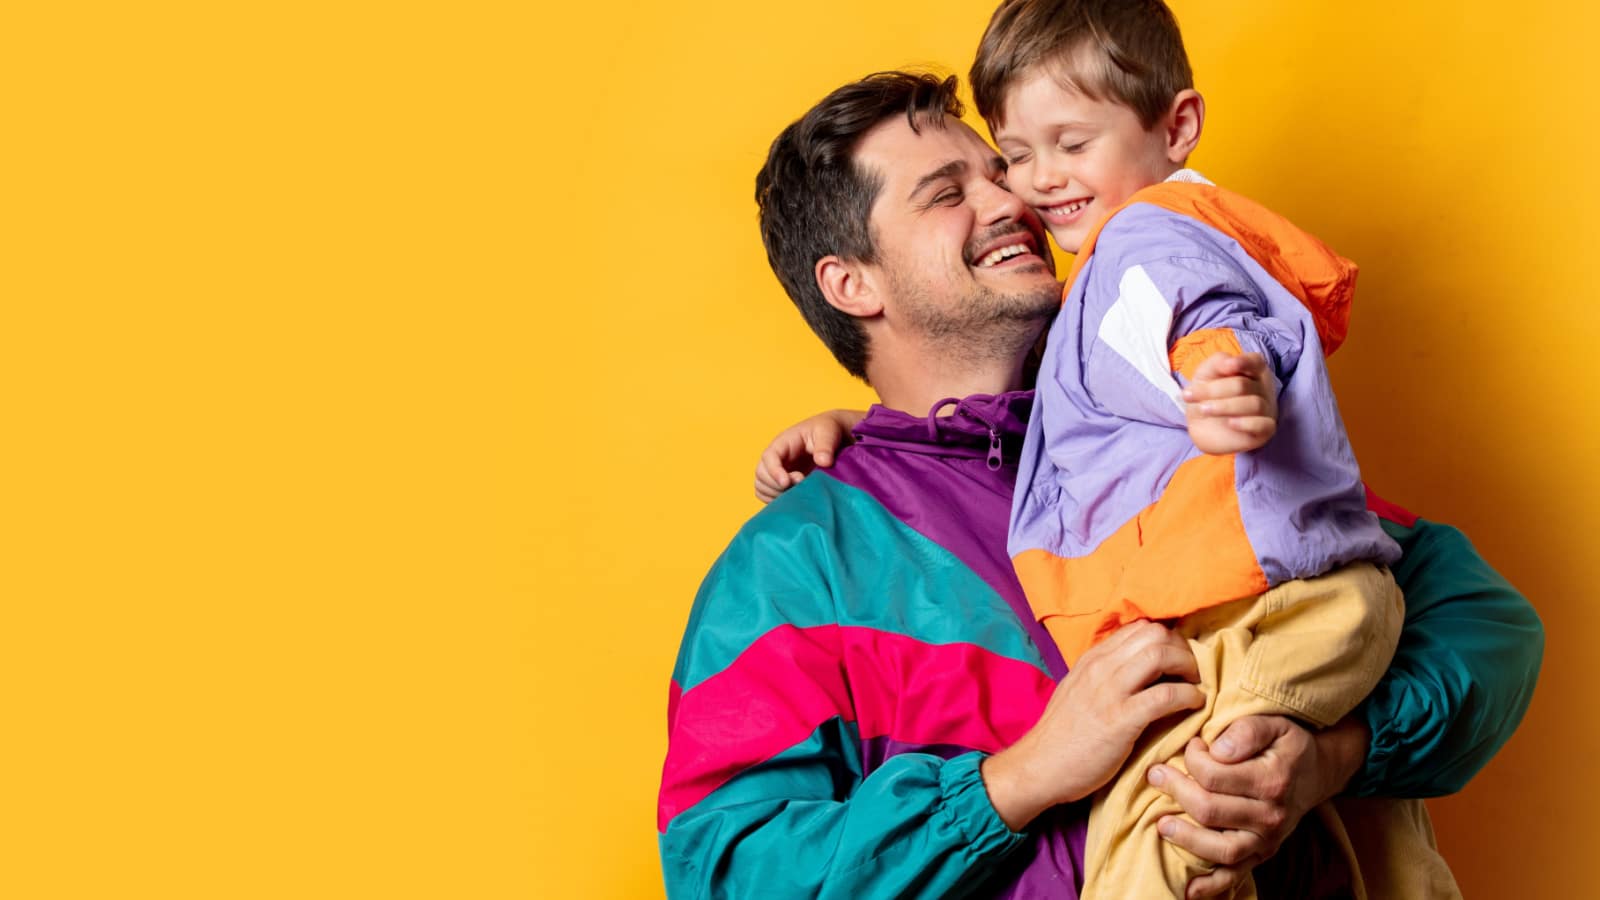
(1386, 510)
(674, 694)
(791, 680)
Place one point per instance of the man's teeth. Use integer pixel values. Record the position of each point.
(1005, 252)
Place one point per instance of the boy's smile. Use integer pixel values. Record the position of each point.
(1063, 214)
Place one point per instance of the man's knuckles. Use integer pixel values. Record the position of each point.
(1203, 808)
(1274, 818)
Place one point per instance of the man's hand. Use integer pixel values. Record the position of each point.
(800, 448)
(1092, 720)
(1231, 403)
(1251, 788)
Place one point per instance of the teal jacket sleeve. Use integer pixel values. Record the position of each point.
(766, 790)
(1462, 676)
(805, 824)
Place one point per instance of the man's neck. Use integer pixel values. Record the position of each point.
(916, 381)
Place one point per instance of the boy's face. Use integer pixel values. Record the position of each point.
(1074, 159)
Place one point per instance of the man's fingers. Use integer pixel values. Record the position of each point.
(1219, 882)
(1259, 777)
(1247, 737)
(1216, 811)
(1225, 848)
(1161, 700)
(1142, 631)
(1150, 655)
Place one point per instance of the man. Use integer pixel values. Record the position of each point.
(863, 703)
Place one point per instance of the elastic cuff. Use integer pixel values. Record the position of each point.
(1380, 750)
(966, 803)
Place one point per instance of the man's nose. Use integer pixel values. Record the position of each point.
(1000, 205)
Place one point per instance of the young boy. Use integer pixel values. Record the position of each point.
(1133, 504)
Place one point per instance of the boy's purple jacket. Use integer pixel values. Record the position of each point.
(1118, 516)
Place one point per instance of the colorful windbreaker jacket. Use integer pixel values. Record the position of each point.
(863, 643)
(1117, 497)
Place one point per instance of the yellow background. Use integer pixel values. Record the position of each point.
(380, 379)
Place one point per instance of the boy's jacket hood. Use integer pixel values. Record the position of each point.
(1322, 280)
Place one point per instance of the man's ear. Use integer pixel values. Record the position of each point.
(1185, 119)
(849, 286)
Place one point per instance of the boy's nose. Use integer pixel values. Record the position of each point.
(1048, 178)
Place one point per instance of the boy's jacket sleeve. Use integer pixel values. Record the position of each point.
(1161, 318)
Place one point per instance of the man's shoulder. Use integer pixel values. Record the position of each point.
(815, 534)
(780, 570)
(804, 519)
(828, 555)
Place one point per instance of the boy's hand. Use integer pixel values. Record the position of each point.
(1232, 404)
(801, 448)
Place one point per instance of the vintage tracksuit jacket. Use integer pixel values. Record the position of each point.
(863, 643)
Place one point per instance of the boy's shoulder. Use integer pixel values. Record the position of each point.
(1177, 220)
(1188, 218)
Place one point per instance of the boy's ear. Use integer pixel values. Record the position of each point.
(1186, 118)
(849, 286)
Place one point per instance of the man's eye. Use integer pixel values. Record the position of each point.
(949, 196)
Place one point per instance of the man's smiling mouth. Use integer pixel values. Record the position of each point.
(1004, 253)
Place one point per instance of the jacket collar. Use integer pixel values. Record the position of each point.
(976, 426)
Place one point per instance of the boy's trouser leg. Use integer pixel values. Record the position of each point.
(1393, 846)
(1309, 649)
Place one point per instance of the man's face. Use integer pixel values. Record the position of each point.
(958, 251)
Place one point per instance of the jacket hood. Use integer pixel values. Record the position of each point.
(1322, 280)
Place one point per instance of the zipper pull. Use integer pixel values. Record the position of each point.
(994, 450)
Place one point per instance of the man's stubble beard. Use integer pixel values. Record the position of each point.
(985, 326)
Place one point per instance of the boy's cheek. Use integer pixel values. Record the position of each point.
(1063, 238)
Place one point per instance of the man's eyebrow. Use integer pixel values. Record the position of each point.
(953, 167)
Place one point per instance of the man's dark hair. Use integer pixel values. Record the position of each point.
(816, 201)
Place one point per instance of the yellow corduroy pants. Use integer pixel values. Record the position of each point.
(1309, 649)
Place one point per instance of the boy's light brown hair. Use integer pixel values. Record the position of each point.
(1126, 51)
